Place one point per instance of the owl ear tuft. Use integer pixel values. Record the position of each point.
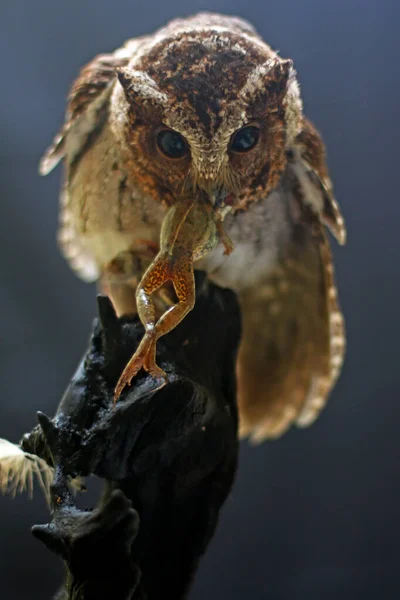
(268, 81)
(139, 87)
(283, 90)
(124, 78)
(277, 74)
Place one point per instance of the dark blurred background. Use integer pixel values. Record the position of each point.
(315, 514)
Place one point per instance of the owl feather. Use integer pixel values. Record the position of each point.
(207, 79)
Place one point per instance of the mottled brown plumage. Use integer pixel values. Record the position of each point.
(199, 127)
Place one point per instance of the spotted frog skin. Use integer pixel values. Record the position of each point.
(190, 230)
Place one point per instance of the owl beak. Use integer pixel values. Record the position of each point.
(217, 195)
(221, 199)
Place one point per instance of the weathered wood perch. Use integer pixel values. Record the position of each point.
(168, 456)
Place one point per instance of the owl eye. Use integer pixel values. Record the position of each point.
(172, 144)
(245, 139)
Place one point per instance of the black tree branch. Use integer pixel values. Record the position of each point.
(168, 456)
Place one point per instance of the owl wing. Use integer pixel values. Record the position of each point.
(293, 340)
(86, 114)
(87, 104)
(87, 101)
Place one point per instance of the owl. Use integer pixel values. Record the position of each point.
(188, 149)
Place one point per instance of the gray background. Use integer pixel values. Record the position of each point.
(316, 514)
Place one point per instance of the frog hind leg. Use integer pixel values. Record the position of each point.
(177, 268)
(121, 276)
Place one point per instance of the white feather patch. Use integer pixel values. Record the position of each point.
(18, 469)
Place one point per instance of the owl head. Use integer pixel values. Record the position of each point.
(208, 108)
